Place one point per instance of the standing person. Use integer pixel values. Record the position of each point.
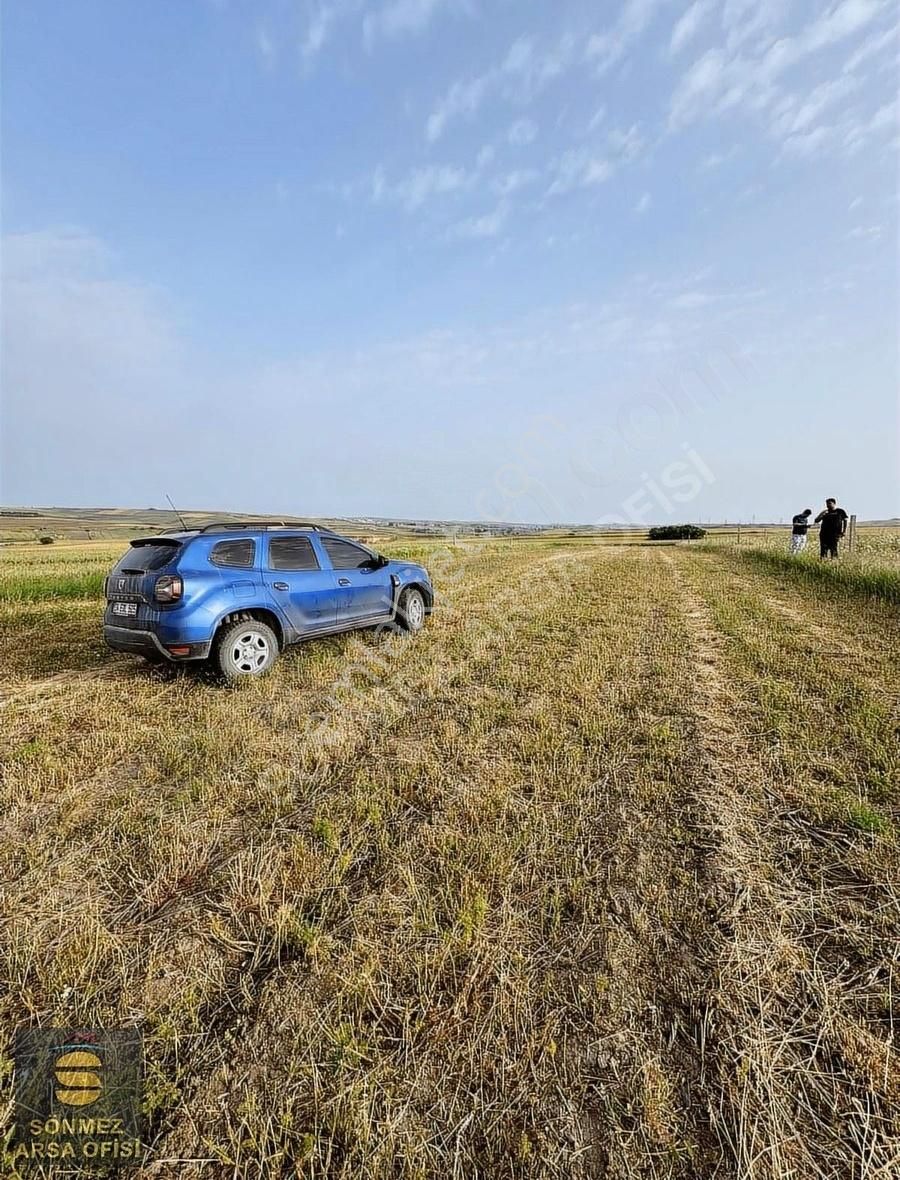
(832, 522)
(799, 531)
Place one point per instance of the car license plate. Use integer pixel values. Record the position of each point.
(125, 608)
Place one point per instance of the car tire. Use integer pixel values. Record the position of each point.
(244, 649)
(411, 610)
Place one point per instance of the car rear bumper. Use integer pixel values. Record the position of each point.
(147, 643)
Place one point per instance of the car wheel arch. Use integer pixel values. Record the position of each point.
(425, 591)
(261, 614)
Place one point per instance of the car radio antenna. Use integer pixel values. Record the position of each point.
(177, 513)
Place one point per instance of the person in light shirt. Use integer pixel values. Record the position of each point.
(800, 528)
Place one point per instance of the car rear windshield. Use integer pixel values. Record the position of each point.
(144, 556)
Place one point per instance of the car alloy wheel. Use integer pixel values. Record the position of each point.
(412, 610)
(249, 651)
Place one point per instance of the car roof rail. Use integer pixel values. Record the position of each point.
(227, 526)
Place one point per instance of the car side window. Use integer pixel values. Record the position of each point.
(239, 554)
(292, 553)
(344, 555)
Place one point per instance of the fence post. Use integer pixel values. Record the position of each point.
(739, 535)
(851, 533)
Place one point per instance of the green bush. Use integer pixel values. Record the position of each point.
(676, 532)
(46, 540)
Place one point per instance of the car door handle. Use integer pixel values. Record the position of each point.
(280, 586)
(343, 581)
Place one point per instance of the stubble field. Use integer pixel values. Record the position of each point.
(598, 876)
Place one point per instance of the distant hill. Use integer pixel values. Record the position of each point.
(27, 522)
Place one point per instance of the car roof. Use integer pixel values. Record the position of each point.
(236, 530)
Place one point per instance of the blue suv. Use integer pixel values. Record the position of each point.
(238, 594)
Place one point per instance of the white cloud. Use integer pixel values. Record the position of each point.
(585, 168)
(716, 159)
(265, 47)
(419, 186)
(702, 81)
(397, 18)
(855, 204)
(485, 156)
(606, 49)
(841, 21)
(746, 21)
(872, 47)
(808, 143)
(626, 145)
(316, 33)
(689, 24)
(522, 132)
(691, 300)
(643, 204)
(597, 118)
(884, 117)
(318, 29)
(391, 20)
(63, 252)
(488, 225)
(520, 77)
(870, 233)
(578, 169)
(85, 356)
(857, 132)
(462, 99)
(793, 114)
(527, 69)
(511, 182)
(747, 78)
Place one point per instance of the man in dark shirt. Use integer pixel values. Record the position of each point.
(832, 522)
(800, 528)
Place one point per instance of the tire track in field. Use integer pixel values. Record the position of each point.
(804, 1092)
(13, 693)
(649, 1113)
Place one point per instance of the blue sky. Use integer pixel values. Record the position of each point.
(451, 258)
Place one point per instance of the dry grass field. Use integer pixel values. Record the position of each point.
(597, 877)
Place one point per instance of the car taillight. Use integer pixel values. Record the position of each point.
(169, 588)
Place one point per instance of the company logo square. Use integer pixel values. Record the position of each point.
(77, 1097)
